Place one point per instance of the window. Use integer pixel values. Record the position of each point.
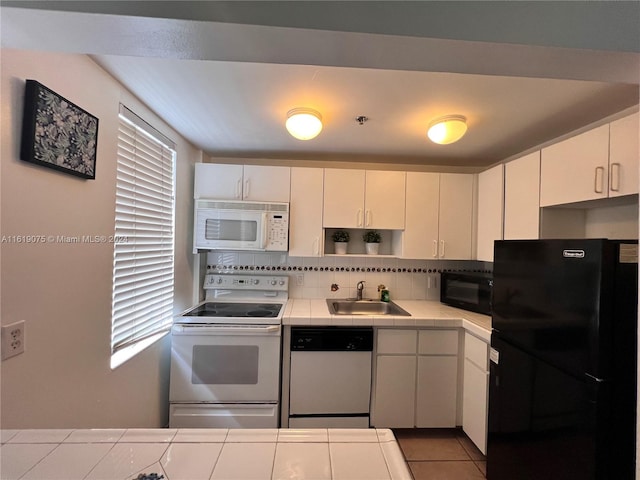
(142, 303)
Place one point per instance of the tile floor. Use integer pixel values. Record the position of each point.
(441, 454)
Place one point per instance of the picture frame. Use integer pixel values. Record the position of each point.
(57, 133)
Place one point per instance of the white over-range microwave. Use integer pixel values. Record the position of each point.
(231, 225)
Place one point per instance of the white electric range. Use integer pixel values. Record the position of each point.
(225, 354)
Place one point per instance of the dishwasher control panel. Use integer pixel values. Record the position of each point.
(332, 339)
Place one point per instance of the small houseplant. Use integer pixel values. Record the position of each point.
(372, 241)
(340, 239)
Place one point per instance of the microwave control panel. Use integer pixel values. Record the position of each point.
(278, 231)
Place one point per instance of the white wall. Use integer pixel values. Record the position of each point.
(63, 291)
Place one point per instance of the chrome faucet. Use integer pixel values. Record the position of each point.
(359, 289)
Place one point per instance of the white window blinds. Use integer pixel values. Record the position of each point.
(142, 305)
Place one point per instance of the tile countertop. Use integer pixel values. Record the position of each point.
(202, 454)
(423, 314)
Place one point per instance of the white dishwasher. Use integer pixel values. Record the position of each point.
(330, 380)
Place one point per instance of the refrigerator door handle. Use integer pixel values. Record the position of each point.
(595, 379)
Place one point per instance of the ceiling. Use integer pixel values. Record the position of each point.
(225, 76)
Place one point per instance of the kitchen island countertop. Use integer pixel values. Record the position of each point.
(202, 454)
(424, 313)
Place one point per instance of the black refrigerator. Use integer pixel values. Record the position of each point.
(562, 386)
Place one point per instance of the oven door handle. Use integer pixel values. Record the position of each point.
(225, 330)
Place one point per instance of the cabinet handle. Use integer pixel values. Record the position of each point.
(435, 249)
(316, 244)
(441, 248)
(367, 217)
(614, 177)
(239, 188)
(598, 187)
(245, 194)
(359, 218)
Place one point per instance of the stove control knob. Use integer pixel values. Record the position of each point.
(281, 282)
(219, 280)
(256, 281)
(272, 282)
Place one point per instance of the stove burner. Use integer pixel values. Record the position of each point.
(219, 310)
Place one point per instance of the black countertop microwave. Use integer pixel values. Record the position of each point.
(467, 290)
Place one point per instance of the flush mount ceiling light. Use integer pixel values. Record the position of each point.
(304, 123)
(448, 129)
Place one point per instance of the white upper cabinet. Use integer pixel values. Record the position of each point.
(599, 163)
(266, 183)
(576, 169)
(237, 182)
(522, 198)
(623, 156)
(218, 181)
(343, 198)
(384, 199)
(420, 237)
(455, 223)
(439, 216)
(364, 199)
(305, 212)
(490, 210)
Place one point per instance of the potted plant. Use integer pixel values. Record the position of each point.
(340, 239)
(372, 241)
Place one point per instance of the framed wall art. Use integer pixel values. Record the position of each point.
(57, 133)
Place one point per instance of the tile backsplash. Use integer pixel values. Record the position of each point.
(313, 277)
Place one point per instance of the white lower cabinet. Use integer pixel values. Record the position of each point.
(475, 396)
(436, 392)
(395, 392)
(416, 378)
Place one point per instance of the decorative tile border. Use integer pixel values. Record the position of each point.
(296, 268)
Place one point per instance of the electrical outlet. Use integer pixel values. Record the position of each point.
(12, 339)
(300, 280)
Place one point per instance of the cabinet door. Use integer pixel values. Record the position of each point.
(395, 392)
(475, 390)
(384, 199)
(455, 221)
(343, 198)
(522, 198)
(218, 181)
(305, 212)
(474, 404)
(436, 393)
(490, 211)
(420, 237)
(623, 156)
(575, 169)
(266, 183)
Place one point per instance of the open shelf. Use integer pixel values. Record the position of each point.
(390, 244)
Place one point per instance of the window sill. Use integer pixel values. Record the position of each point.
(122, 356)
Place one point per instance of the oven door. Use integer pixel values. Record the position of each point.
(225, 363)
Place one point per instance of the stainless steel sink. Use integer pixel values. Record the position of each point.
(351, 306)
